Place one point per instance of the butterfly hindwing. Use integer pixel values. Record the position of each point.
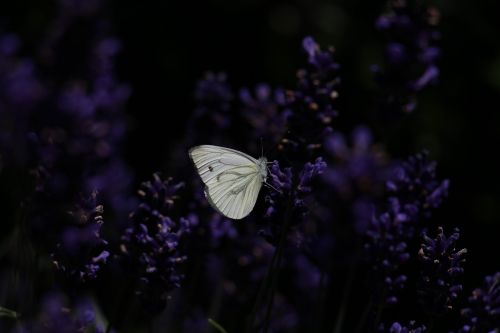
(237, 200)
(232, 179)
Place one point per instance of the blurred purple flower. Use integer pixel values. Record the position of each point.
(442, 262)
(20, 91)
(482, 313)
(151, 244)
(82, 250)
(310, 106)
(288, 196)
(262, 109)
(356, 176)
(414, 191)
(213, 97)
(415, 183)
(387, 249)
(61, 117)
(411, 53)
(56, 315)
(398, 328)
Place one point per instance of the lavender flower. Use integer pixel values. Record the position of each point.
(311, 103)
(20, 92)
(483, 311)
(414, 192)
(411, 328)
(387, 249)
(57, 315)
(411, 53)
(356, 176)
(442, 266)
(212, 117)
(67, 129)
(415, 183)
(82, 242)
(263, 110)
(290, 195)
(151, 243)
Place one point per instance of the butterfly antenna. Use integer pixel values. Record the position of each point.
(261, 147)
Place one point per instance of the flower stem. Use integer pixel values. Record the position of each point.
(216, 325)
(269, 280)
(261, 293)
(345, 298)
(123, 308)
(364, 317)
(322, 292)
(276, 269)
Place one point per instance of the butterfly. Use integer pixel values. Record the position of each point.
(232, 179)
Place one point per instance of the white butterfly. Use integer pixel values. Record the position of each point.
(232, 179)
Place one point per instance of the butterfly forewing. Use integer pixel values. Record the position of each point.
(232, 179)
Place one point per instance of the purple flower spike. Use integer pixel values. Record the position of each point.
(310, 107)
(151, 243)
(414, 191)
(411, 53)
(387, 249)
(290, 191)
(57, 315)
(442, 267)
(262, 110)
(398, 328)
(212, 118)
(81, 252)
(415, 182)
(483, 311)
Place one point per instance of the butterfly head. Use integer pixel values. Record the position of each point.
(263, 168)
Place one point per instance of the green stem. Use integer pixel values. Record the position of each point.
(321, 301)
(380, 310)
(4, 312)
(217, 298)
(261, 293)
(216, 325)
(270, 273)
(123, 308)
(364, 317)
(345, 299)
(430, 326)
(279, 250)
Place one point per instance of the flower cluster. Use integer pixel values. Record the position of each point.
(63, 124)
(387, 248)
(483, 311)
(414, 191)
(311, 103)
(263, 110)
(356, 175)
(442, 267)
(212, 117)
(411, 328)
(151, 243)
(82, 238)
(289, 196)
(20, 91)
(415, 183)
(57, 315)
(411, 53)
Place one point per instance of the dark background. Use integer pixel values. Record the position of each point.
(169, 45)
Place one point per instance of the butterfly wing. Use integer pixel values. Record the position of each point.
(232, 179)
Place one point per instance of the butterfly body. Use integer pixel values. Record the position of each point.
(232, 178)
